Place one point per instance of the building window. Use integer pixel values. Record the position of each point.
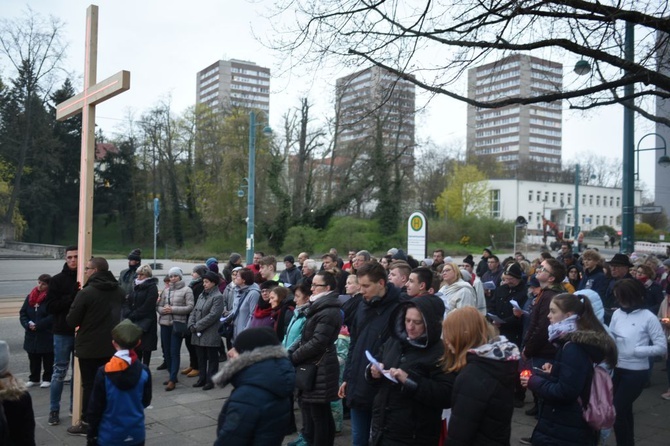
(546, 196)
(539, 195)
(584, 199)
(530, 195)
(495, 203)
(590, 200)
(530, 217)
(568, 219)
(597, 200)
(562, 199)
(618, 201)
(597, 220)
(569, 199)
(611, 201)
(611, 220)
(553, 197)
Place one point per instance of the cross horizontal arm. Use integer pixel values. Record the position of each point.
(93, 95)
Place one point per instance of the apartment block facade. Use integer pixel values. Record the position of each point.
(227, 84)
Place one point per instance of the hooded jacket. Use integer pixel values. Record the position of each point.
(17, 406)
(458, 294)
(248, 297)
(410, 413)
(595, 280)
(62, 289)
(561, 420)
(119, 396)
(483, 395)
(258, 411)
(369, 330)
(96, 310)
(317, 345)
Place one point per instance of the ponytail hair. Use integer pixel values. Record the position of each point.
(581, 306)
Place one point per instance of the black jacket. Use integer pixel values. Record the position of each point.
(62, 289)
(141, 309)
(42, 339)
(536, 342)
(501, 307)
(482, 403)
(96, 310)
(410, 413)
(369, 330)
(561, 420)
(17, 406)
(317, 345)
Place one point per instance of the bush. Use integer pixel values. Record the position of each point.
(301, 238)
(644, 231)
(351, 233)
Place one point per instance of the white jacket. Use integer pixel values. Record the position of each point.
(458, 294)
(633, 333)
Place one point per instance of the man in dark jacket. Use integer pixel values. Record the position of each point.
(369, 330)
(537, 346)
(96, 310)
(127, 276)
(291, 275)
(62, 289)
(620, 266)
(483, 266)
(593, 275)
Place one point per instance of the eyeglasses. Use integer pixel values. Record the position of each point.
(314, 285)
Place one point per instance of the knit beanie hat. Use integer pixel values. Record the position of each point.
(135, 254)
(210, 261)
(126, 334)
(252, 338)
(4, 358)
(175, 271)
(514, 270)
(469, 260)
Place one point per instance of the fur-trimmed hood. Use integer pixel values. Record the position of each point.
(11, 388)
(599, 345)
(266, 367)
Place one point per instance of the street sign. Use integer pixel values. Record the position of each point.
(416, 235)
(648, 209)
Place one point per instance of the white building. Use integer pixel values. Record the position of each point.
(556, 202)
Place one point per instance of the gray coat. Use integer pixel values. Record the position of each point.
(246, 311)
(204, 319)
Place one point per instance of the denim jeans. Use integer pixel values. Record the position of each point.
(172, 347)
(361, 420)
(628, 385)
(63, 355)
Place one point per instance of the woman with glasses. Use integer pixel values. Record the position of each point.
(317, 346)
(141, 310)
(174, 306)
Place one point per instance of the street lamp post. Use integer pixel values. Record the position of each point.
(663, 161)
(628, 186)
(251, 185)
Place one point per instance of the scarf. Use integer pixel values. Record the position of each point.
(315, 297)
(499, 349)
(140, 282)
(121, 361)
(262, 313)
(36, 297)
(567, 325)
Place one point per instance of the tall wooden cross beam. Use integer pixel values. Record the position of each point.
(85, 102)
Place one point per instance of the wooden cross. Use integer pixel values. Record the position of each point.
(85, 102)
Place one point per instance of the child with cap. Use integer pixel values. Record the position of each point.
(258, 409)
(16, 404)
(121, 391)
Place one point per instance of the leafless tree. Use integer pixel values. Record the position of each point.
(433, 43)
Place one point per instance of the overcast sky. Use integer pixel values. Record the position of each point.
(165, 43)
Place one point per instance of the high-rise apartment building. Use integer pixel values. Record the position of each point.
(374, 102)
(234, 83)
(515, 135)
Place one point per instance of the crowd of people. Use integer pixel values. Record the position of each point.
(430, 351)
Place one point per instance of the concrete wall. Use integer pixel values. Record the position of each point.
(51, 251)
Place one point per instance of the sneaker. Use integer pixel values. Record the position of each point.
(80, 429)
(45, 384)
(666, 395)
(32, 384)
(53, 418)
(524, 440)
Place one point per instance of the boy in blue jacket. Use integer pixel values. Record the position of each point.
(121, 391)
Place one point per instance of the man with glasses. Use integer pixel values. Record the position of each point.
(537, 347)
(62, 289)
(96, 310)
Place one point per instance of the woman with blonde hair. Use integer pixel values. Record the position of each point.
(483, 393)
(455, 291)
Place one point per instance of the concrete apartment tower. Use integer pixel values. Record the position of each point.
(375, 102)
(234, 83)
(515, 135)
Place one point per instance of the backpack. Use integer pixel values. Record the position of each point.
(599, 410)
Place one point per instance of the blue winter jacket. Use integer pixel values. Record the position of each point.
(258, 411)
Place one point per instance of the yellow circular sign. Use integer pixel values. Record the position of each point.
(417, 223)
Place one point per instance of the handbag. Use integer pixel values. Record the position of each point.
(179, 327)
(305, 376)
(144, 324)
